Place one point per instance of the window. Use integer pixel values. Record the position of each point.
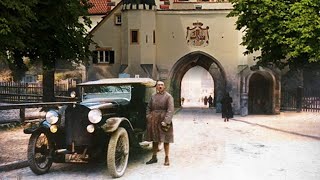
(106, 91)
(135, 36)
(103, 56)
(117, 19)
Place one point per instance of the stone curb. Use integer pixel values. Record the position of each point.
(13, 165)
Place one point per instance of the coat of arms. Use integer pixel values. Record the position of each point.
(197, 35)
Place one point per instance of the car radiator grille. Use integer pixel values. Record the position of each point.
(76, 123)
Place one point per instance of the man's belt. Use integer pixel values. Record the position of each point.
(159, 111)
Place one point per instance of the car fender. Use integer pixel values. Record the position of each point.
(42, 126)
(113, 123)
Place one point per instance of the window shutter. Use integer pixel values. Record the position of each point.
(95, 57)
(107, 54)
(111, 57)
(101, 58)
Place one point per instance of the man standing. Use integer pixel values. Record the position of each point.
(159, 122)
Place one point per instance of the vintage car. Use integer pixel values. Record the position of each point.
(107, 122)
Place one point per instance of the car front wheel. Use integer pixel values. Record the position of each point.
(40, 150)
(118, 152)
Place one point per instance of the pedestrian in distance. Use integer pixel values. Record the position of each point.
(210, 101)
(205, 100)
(182, 100)
(159, 122)
(227, 112)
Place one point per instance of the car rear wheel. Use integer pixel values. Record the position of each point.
(118, 152)
(40, 150)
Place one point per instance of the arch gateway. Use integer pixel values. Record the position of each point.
(189, 61)
(164, 40)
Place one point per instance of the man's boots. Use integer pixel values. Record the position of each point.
(152, 160)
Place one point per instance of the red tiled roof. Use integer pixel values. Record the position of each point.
(99, 7)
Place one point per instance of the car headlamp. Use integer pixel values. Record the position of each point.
(54, 128)
(90, 128)
(52, 116)
(95, 116)
(73, 94)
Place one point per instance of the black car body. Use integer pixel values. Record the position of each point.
(109, 119)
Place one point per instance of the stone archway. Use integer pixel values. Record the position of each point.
(260, 94)
(189, 61)
(260, 91)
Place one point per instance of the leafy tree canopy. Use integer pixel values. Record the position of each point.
(16, 17)
(44, 31)
(57, 33)
(287, 32)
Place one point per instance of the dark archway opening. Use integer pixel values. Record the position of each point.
(260, 94)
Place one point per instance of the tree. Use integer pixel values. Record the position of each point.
(53, 34)
(15, 18)
(58, 35)
(287, 32)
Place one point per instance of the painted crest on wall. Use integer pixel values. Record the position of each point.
(197, 35)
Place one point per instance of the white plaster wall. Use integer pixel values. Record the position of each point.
(95, 19)
(107, 35)
(148, 51)
(223, 38)
(143, 52)
(144, 22)
(125, 41)
(134, 23)
(191, 4)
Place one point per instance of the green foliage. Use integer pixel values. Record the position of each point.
(43, 30)
(287, 32)
(15, 18)
(57, 34)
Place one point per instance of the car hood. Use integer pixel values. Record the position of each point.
(102, 103)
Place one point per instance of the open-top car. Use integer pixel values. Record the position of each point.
(108, 121)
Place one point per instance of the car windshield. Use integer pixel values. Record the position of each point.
(107, 91)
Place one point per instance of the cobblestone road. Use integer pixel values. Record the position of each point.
(279, 147)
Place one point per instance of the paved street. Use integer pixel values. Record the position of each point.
(267, 147)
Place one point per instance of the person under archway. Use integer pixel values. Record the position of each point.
(227, 112)
(210, 101)
(205, 100)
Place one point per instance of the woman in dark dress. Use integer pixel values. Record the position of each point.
(227, 112)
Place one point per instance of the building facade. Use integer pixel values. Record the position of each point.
(164, 39)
